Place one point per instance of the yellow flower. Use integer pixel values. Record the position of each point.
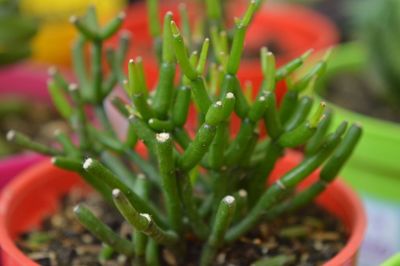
(53, 42)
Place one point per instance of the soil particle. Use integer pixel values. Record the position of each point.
(309, 237)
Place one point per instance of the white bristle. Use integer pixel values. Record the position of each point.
(121, 15)
(242, 193)
(10, 135)
(73, 19)
(146, 215)
(57, 131)
(116, 192)
(52, 70)
(141, 176)
(230, 95)
(162, 137)
(73, 87)
(125, 34)
(87, 163)
(229, 199)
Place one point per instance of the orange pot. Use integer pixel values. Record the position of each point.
(36, 192)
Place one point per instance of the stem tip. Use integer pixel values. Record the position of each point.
(229, 200)
(146, 215)
(10, 135)
(87, 163)
(162, 137)
(116, 192)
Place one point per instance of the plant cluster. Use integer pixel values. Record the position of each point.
(377, 24)
(209, 185)
(15, 33)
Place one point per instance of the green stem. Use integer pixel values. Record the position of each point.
(79, 66)
(80, 117)
(196, 150)
(221, 224)
(96, 169)
(97, 73)
(191, 209)
(300, 113)
(166, 164)
(275, 192)
(102, 116)
(142, 221)
(119, 168)
(181, 106)
(24, 141)
(152, 253)
(147, 168)
(258, 182)
(102, 231)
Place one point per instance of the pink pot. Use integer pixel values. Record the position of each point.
(28, 81)
(25, 80)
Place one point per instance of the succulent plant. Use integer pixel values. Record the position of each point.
(377, 25)
(15, 33)
(209, 184)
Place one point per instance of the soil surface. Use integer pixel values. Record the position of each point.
(354, 92)
(308, 237)
(34, 119)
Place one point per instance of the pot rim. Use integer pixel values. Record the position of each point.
(38, 171)
(358, 228)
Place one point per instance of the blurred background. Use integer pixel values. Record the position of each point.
(362, 82)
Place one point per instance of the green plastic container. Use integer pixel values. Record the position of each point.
(374, 168)
(393, 261)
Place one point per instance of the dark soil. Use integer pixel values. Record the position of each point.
(355, 92)
(34, 119)
(309, 237)
(62, 241)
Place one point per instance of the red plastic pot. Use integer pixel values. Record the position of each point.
(339, 200)
(28, 199)
(289, 29)
(28, 81)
